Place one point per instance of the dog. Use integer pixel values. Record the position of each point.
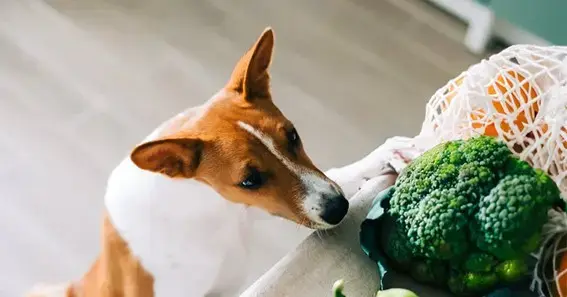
(177, 208)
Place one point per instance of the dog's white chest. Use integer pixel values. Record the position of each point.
(190, 239)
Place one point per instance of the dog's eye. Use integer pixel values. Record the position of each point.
(253, 181)
(293, 138)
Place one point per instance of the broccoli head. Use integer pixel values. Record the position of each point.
(470, 207)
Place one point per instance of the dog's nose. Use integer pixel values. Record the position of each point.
(334, 209)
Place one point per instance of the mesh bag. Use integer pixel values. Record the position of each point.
(520, 96)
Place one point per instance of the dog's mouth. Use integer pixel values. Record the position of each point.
(320, 227)
(315, 224)
(305, 222)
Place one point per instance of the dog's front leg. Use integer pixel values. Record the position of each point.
(390, 157)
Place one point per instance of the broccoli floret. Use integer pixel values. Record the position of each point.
(436, 228)
(472, 205)
(512, 270)
(480, 262)
(486, 151)
(471, 283)
(430, 271)
(510, 217)
(511, 214)
(398, 248)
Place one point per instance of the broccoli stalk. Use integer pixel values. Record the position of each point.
(396, 292)
(338, 288)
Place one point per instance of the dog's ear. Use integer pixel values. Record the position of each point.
(177, 157)
(250, 77)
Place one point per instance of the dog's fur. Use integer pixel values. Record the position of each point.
(177, 208)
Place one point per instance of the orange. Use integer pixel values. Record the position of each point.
(451, 92)
(545, 127)
(510, 92)
(562, 280)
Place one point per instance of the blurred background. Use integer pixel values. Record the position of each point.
(83, 81)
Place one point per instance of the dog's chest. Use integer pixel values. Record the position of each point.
(190, 240)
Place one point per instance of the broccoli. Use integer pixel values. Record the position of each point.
(429, 271)
(467, 214)
(479, 262)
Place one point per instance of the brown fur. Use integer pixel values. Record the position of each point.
(116, 273)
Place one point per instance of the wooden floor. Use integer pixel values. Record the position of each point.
(81, 82)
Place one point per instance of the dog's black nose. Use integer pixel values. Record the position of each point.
(334, 209)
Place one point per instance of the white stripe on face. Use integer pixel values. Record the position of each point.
(316, 186)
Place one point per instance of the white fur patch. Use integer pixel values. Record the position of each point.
(188, 237)
(317, 187)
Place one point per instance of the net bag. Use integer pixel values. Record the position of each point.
(519, 96)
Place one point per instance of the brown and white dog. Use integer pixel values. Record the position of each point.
(178, 206)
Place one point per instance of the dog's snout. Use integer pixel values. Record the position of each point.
(334, 209)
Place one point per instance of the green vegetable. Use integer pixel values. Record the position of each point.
(511, 270)
(339, 286)
(396, 293)
(468, 283)
(479, 262)
(468, 214)
(429, 271)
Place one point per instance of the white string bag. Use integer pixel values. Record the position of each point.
(520, 96)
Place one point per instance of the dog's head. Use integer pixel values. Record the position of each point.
(240, 144)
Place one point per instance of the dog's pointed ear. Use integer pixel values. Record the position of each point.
(250, 77)
(174, 157)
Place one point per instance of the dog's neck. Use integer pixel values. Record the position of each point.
(166, 222)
